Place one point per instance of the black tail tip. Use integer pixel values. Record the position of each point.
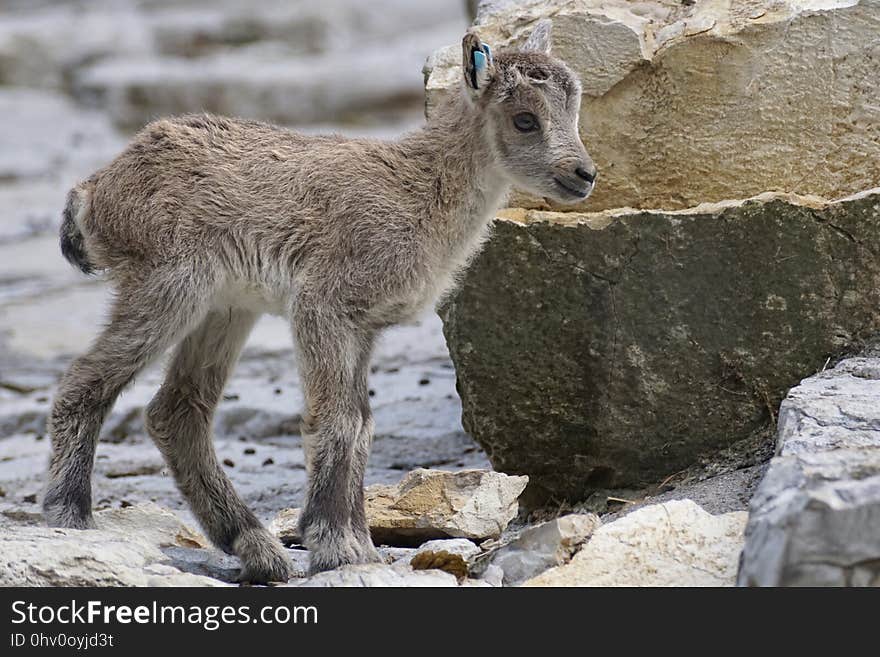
(72, 242)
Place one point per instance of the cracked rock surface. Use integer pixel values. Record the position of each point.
(814, 519)
(672, 544)
(430, 504)
(628, 345)
(689, 102)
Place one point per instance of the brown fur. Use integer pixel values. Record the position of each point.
(203, 223)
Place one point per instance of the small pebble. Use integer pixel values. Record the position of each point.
(268, 461)
(30, 499)
(229, 463)
(124, 504)
(371, 392)
(230, 397)
(278, 391)
(424, 382)
(250, 450)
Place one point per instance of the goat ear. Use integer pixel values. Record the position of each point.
(539, 39)
(477, 63)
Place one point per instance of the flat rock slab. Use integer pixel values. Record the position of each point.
(814, 519)
(431, 504)
(379, 575)
(671, 544)
(628, 345)
(126, 550)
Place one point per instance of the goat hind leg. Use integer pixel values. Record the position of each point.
(146, 319)
(360, 456)
(179, 419)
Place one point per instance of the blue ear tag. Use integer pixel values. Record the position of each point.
(479, 60)
(488, 51)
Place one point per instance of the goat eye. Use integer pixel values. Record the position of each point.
(525, 122)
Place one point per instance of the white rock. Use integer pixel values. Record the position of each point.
(428, 504)
(671, 544)
(268, 81)
(125, 551)
(813, 520)
(431, 504)
(493, 575)
(543, 546)
(285, 525)
(463, 547)
(378, 575)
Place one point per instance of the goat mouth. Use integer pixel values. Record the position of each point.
(574, 191)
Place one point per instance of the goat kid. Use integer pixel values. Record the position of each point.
(204, 223)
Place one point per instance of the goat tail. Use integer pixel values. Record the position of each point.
(73, 246)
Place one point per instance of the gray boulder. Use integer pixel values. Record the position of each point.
(599, 350)
(543, 546)
(814, 519)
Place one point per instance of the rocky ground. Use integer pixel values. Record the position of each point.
(77, 78)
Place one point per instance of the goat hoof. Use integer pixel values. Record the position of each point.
(263, 558)
(66, 514)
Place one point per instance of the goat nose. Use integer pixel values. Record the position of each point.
(587, 173)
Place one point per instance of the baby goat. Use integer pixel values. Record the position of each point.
(203, 223)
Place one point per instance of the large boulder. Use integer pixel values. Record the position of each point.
(689, 102)
(616, 348)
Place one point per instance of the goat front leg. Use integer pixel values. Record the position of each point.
(333, 356)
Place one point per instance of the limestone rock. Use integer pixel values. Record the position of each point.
(127, 550)
(452, 555)
(613, 349)
(431, 504)
(814, 518)
(149, 523)
(671, 544)
(685, 103)
(493, 576)
(285, 525)
(428, 504)
(463, 547)
(378, 575)
(543, 546)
